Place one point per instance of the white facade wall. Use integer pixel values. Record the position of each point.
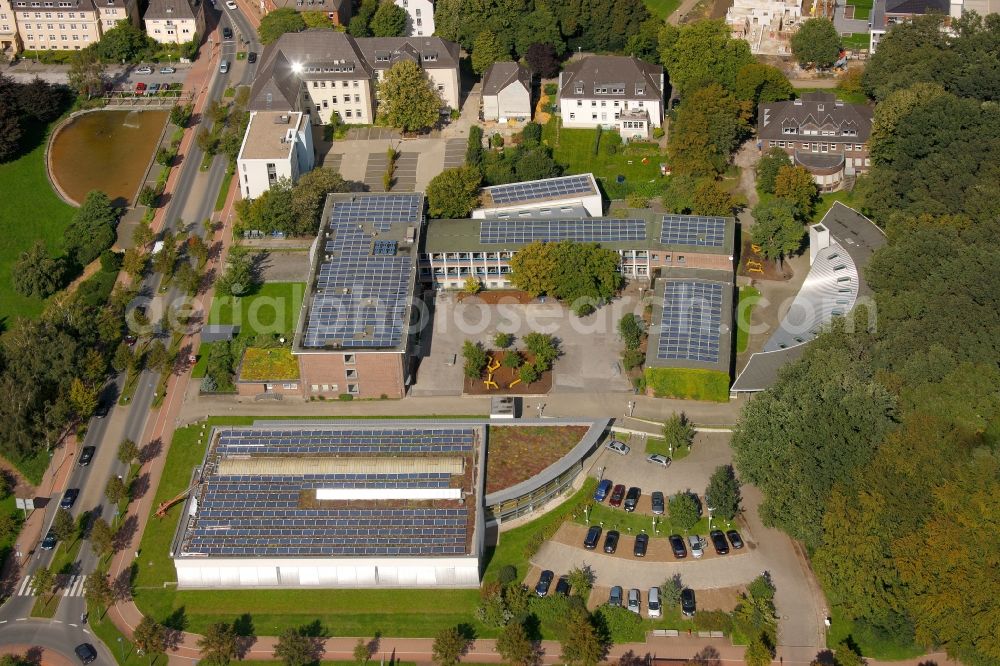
(172, 31)
(594, 111)
(591, 202)
(419, 17)
(255, 174)
(352, 99)
(513, 103)
(10, 43)
(233, 573)
(56, 28)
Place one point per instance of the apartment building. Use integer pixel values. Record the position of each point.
(887, 13)
(113, 11)
(174, 21)
(323, 72)
(419, 17)
(57, 25)
(277, 144)
(613, 92)
(338, 11)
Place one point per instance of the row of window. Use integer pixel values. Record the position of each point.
(604, 104)
(170, 32)
(819, 147)
(48, 26)
(347, 100)
(53, 38)
(812, 132)
(60, 15)
(353, 389)
(333, 84)
(609, 90)
(347, 113)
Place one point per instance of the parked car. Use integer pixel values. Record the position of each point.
(735, 539)
(694, 541)
(621, 448)
(611, 541)
(252, 57)
(641, 543)
(230, 4)
(593, 536)
(101, 410)
(562, 586)
(658, 503)
(677, 545)
(688, 606)
(224, 67)
(130, 339)
(69, 498)
(719, 542)
(167, 70)
(617, 495)
(86, 652)
(140, 88)
(634, 600)
(603, 488)
(657, 459)
(49, 542)
(544, 581)
(615, 599)
(227, 32)
(154, 88)
(653, 602)
(632, 498)
(86, 455)
(145, 69)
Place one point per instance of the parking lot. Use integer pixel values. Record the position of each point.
(454, 153)
(404, 175)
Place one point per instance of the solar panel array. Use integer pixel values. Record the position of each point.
(384, 248)
(341, 442)
(361, 297)
(691, 322)
(552, 188)
(589, 230)
(693, 230)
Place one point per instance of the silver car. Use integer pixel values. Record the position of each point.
(634, 601)
(697, 550)
(621, 448)
(657, 459)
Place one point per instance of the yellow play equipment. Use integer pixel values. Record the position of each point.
(493, 366)
(489, 383)
(755, 248)
(516, 381)
(755, 267)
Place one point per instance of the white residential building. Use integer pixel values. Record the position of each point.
(506, 92)
(57, 25)
(419, 17)
(114, 11)
(10, 41)
(174, 21)
(614, 92)
(277, 144)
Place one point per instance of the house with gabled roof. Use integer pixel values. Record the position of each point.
(506, 92)
(614, 92)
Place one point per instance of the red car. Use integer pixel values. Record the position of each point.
(617, 495)
(140, 88)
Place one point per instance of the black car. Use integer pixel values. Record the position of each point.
(687, 602)
(631, 499)
(593, 536)
(86, 455)
(611, 541)
(252, 57)
(86, 652)
(615, 599)
(69, 498)
(101, 410)
(735, 539)
(544, 581)
(677, 545)
(658, 503)
(641, 543)
(562, 587)
(49, 542)
(719, 542)
(227, 32)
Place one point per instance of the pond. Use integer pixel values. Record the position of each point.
(107, 151)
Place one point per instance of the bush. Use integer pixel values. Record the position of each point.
(507, 575)
(658, 132)
(503, 340)
(474, 149)
(636, 200)
(630, 329)
(622, 625)
(597, 140)
(496, 140)
(110, 261)
(512, 360)
(551, 89)
(528, 374)
(165, 156)
(181, 115)
(346, 397)
(531, 135)
(633, 358)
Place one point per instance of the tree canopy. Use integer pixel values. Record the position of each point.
(92, 230)
(486, 50)
(406, 98)
(775, 229)
(582, 275)
(767, 168)
(702, 53)
(278, 22)
(709, 127)
(453, 193)
(389, 20)
(36, 274)
(817, 43)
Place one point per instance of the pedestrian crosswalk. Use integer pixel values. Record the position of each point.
(68, 586)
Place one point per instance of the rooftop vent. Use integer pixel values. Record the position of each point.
(281, 120)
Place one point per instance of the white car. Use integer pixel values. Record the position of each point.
(653, 602)
(167, 70)
(621, 448)
(230, 4)
(144, 70)
(657, 459)
(634, 601)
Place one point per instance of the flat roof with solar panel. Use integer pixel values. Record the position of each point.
(589, 230)
(363, 280)
(692, 320)
(549, 189)
(339, 491)
(693, 230)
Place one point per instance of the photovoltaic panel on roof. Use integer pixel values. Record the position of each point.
(587, 230)
(552, 188)
(691, 321)
(693, 230)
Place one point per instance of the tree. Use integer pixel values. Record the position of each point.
(475, 359)
(92, 230)
(297, 648)
(709, 127)
(474, 149)
(503, 340)
(630, 329)
(218, 644)
(115, 490)
(63, 526)
(683, 510)
(702, 53)
(36, 274)
(239, 276)
(43, 581)
(528, 374)
(512, 359)
(544, 348)
(670, 592)
(449, 646)
(10, 130)
(535, 164)
(761, 84)
(932, 58)
(579, 274)
(271, 211)
(816, 43)
(98, 590)
(362, 651)
(150, 637)
(102, 537)
(538, 27)
(278, 22)
(8, 526)
(768, 167)
(645, 44)
(389, 20)
(406, 99)
(678, 431)
(847, 656)
(797, 185)
(180, 116)
(776, 230)
(86, 72)
(515, 646)
(581, 581)
(309, 195)
(758, 653)
(712, 198)
(41, 100)
(543, 60)
(486, 50)
(723, 492)
(359, 25)
(317, 19)
(453, 193)
(124, 42)
(128, 451)
(581, 644)
(142, 235)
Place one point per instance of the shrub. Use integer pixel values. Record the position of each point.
(658, 132)
(528, 374)
(110, 261)
(531, 135)
(622, 625)
(346, 397)
(147, 196)
(507, 575)
(512, 360)
(474, 149)
(597, 140)
(633, 358)
(636, 200)
(181, 115)
(503, 340)
(551, 89)
(165, 156)
(496, 140)
(630, 329)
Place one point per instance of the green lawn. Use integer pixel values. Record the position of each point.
(611, 518)
(842, 629)
(862, 8)
(7, 541)
(45, 606)
(662, 8)
(574, 150)
(688, 384)
(66, 556)
(841, 94)
(657, 445)
(108, 633)
(748, 299)
(32, 211)
(826, 202)
(856, 41)
(272, 308)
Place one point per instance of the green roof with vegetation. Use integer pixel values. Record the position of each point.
(273, 363)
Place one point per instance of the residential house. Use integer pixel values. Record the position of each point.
(57, 25)
(174, 21)
(114, 11)
(614, 92)
(10, 41)
(322, 72)
(277, 144)
(821, 133)
(887, 13)
(419, 17)
(338, 11)
(506, 92)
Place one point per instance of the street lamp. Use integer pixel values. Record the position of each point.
(122, 646)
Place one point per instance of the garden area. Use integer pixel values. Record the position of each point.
(517, 453)
(262, 364)
(508, 371)
(662, 9)
(862, 9)
(688, 384)
(749, 296)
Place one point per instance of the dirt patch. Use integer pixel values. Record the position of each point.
(505, 296)
(505, 379)
(517, 453)
(752, 265)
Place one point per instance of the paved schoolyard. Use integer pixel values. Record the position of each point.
(286, 266)
(454, 153)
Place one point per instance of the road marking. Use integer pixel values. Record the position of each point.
(20, 619)
(58, 621)
(86, 631)
(73, 625)
(24, 586)
(75, 587)
(3, 621)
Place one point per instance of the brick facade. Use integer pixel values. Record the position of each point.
(361, 374)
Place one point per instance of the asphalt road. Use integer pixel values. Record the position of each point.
(53, 637)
